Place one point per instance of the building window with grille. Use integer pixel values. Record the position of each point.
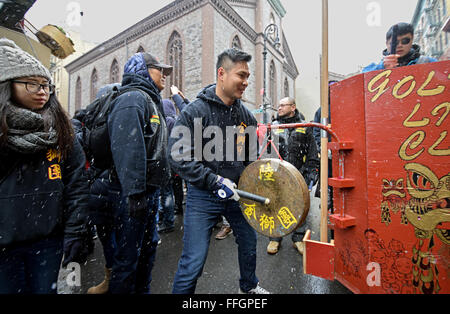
(175, 58)
(272, 84)
(78, 94)
(286, 88)
(236, 43)
(114, 72)
(94, 85)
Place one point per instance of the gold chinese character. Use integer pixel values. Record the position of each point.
(53, 154)
(266, 223)
(266, 172)
(54, 172)
(240, 140)
(250, 210)
(286, 218)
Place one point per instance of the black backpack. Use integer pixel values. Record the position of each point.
(95, 135)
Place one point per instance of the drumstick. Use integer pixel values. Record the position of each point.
(253, 197)
(394, 41)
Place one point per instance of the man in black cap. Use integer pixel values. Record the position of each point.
(138, 135)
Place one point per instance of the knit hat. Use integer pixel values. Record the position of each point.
(15, 63)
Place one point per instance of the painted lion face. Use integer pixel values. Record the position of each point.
(429, 207)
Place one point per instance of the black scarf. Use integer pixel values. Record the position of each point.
(27, 133)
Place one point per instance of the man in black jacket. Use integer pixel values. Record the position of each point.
(296, 146)
(211, 170)
(138, 137)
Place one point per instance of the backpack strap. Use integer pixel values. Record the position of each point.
(128, 89)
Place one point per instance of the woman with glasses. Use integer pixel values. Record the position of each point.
(406, 53)
(43, 194)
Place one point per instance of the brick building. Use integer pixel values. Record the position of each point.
(430, 21)
(189, 34)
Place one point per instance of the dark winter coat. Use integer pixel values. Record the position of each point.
(317, 131)
(180, 102)
(42, 195)
(170, 112)
(209, 107)
(297, 145)
(138, 134)
(413, 57)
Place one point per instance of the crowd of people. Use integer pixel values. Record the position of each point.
(53, 198)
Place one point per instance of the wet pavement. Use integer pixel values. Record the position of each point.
(280, 274)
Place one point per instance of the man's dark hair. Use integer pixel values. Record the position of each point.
(234, 55)
(403, 29)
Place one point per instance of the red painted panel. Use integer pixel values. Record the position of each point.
(318, 258)
(408, 164)
(347, 117)
(398, 123)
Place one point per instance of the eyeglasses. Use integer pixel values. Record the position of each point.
(36, 87)
(285, 105)
(405, 41)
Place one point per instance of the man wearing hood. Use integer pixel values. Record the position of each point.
(298, 147)
(138, 135)
(216, 112)
(406, 52)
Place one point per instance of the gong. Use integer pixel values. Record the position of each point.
(286, 188)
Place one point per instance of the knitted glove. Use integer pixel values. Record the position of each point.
(226, 189)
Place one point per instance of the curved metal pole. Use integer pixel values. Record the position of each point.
(305, 125)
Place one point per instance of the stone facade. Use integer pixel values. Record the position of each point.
(205, 28)
(429, 22)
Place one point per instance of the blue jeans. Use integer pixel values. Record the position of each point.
(202, 211)
(31, 268)
(166, 206)
(136, 247)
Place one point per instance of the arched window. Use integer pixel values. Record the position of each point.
(114, 75)
(273, 84)
(236, 43)
(286, 88)
(175, 58)
(94, 85)
(78, 94)
(140, 49)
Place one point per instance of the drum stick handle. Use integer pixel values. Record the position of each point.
(253, 197)
(394, 41)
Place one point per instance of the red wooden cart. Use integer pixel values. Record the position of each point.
(391, 183)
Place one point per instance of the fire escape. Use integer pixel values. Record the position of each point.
(434, 18)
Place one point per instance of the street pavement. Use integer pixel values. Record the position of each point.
(280, 274)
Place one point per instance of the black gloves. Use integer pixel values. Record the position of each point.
(137, 206)
(312, 176)
(75, 250)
